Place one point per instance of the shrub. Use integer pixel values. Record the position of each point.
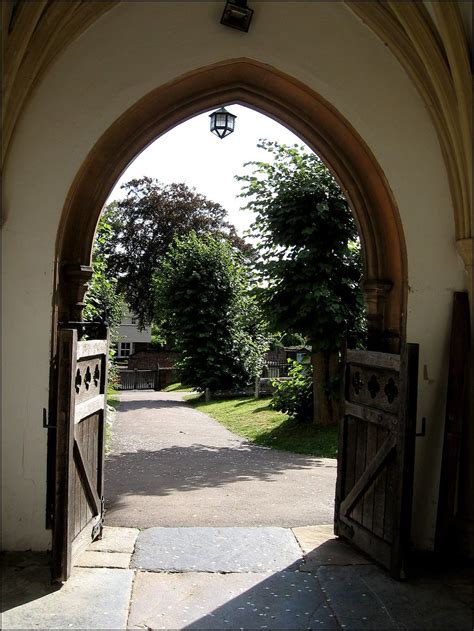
(294, 396)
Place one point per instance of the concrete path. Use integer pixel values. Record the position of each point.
(174, 466)
(315, 582)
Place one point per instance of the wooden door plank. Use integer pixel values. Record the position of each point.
(86, 477)
(376, 453)
(79, 453)
(368, 476)
(350, 456)
(374, 359)
(64, 517)
(89, 407)
(403, 497)
(377, 417)
(455, 413)
(371, 450)
(380, 485)
(361, 444)
(91, 348)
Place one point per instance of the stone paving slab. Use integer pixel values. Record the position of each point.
(283, 600)
(366, 597)
(90, 599)
(333, 552)
(116, 539)
(96, 558)
(215, 549)
(320, 547)
(310, 537)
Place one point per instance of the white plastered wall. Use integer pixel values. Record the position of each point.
(135, 48)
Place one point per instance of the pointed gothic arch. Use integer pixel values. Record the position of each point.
(291, 103)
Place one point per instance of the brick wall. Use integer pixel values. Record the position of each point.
(151, 359)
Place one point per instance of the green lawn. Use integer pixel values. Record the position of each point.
(177, 387)
(112, 398)
(114, 402)
(255, 421)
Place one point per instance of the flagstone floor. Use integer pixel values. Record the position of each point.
(229, 578)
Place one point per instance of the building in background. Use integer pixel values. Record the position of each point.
(131, 338)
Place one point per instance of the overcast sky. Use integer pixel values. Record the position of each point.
(190, 153)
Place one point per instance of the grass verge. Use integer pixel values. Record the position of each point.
(114, 402)
(177, 387)
(112, 398)
(257, 422)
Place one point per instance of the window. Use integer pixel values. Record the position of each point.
(134, 320)
(125, 349)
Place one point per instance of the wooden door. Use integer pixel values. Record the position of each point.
(376, 454)
(80, 433)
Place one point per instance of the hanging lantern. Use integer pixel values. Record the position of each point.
(222, 122)
(237, 15)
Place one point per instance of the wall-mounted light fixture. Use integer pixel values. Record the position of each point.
(237, 15)
(222, 122)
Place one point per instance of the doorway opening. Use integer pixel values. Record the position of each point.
(278, 96)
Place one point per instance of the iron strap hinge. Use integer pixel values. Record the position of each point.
(97, 529)
(423, 428)
(47, 421)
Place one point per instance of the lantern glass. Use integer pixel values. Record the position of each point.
(222, 122)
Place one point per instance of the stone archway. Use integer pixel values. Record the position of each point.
(291, 103)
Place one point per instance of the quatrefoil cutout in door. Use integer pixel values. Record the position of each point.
(88, 378)
(96, 375)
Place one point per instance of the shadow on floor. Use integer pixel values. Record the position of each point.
(356, 597)
(164, 471)
(25, 577)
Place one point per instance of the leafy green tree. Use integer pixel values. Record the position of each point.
(144, 224)
(309, 262)
(202, 297)
(103, 302)
(294, 396)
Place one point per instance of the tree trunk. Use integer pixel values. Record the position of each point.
(325, 368)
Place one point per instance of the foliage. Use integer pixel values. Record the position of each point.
(103, 302)
(294, 396)
(288, 338)
(177, 387)
(158, 338)
(257, 422)
(201, 293)
(144, 224)
(309, 263)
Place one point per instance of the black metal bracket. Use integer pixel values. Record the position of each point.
(46, 421)
(237, 15)
(423, 428)
(98, 528)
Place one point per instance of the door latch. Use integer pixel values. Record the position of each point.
(423, 428)
(46, 421)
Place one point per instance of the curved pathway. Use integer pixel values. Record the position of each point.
(173, 466)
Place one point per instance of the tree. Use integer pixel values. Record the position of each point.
(309, 261)
(103, 302)
(202, 299)
(143, 226)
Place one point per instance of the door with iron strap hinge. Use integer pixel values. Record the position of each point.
(376, 454)
(80, 435)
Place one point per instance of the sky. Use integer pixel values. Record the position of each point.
(190, 153)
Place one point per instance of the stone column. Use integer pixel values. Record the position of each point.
(74, 280)
(465, 516)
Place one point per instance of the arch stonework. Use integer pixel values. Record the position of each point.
(291, 103)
